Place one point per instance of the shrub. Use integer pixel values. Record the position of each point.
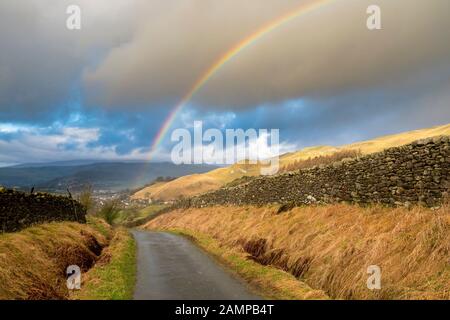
(86, 199)
(110, 211)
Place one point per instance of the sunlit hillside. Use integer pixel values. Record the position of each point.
(369, 146)
(199, 183)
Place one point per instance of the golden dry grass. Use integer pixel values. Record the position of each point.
(182, 187)
(33, 261)
(369, 146)
(194, 184)
(321, 160)
(191, 185)
(330, 247)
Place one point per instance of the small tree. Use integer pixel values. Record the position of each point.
(86, 198)
(110, 211)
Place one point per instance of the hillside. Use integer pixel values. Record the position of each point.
(199, 183)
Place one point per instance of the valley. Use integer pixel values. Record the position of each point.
(104, 177)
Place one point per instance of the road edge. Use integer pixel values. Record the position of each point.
(267, 282)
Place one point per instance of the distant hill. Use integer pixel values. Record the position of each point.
(111, 176)
(199, 183)
(68, 163)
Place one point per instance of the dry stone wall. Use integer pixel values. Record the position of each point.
(19, 210)
(417, 173)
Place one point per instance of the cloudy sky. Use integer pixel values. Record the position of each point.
(104, 91)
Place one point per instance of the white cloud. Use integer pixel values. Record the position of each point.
(13, 128)
(30, 144)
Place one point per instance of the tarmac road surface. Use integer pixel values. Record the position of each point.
(170, 267)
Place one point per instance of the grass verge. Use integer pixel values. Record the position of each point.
(33, 261)
(266, 281)
(114, 275)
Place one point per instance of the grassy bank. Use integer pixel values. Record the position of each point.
(268, 282)
(114, 275)
(33, 261)
(330, 247)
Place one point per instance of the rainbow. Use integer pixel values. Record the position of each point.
(230, 54)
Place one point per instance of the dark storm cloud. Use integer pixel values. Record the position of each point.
(327, 52)
(352, 117)
(136, 55)
(41, 61)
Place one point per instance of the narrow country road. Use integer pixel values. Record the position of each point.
(171, 267)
